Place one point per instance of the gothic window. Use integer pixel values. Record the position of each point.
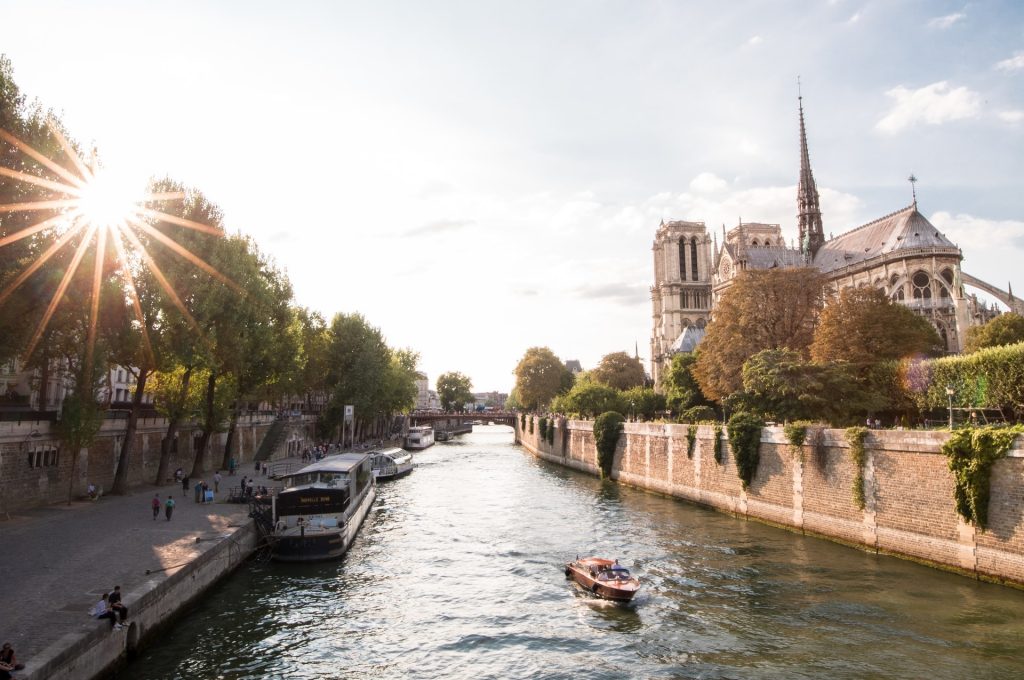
(682, 259)
(693, 257)
(898, 294)
(945, 338)
(684, 299)
(922, 286)
(754, 243)
(947, 274)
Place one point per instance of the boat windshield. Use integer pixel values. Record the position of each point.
(614, 574)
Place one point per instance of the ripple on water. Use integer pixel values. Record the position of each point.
(458, 573)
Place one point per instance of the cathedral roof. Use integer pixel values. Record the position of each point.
(904, 229)
(687, 340)
(767, 257)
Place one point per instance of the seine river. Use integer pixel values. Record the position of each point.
(458, 573)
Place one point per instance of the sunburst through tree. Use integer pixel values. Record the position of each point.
(85, 203)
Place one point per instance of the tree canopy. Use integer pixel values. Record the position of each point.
(619, 370)
(1005, 329)
(863, 326)
(540, 375)
(454, 390)
(762, 309)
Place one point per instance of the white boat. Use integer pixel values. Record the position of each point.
(320, 511)
(419, 437)
(390, 463)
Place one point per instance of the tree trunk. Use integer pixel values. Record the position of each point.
(121, 475)
(172, 428)
(230, 441)
(208, 426)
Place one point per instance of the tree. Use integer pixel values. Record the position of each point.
(454, 390)
(643, 402)
(781, 384)
(1005, 329)
(863, 326)
(589, 399)
(762, 309)
(358, 361)
(682, 391)
(619, 370)
(540, 375)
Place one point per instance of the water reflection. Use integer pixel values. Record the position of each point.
(458, 572)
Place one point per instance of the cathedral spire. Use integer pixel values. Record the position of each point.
(812, 235)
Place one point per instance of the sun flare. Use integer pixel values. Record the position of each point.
(103, 210)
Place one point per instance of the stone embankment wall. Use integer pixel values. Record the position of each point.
(93, 653)
(35, 469)
(908, 489)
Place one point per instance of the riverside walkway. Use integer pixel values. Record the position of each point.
(57, 561)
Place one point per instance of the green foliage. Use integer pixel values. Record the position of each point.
(619, 370)
(607, 427)
(588, 399)
(745, 442)
(698, 414)
(681, 389)
(718, 444)
(796, 433)
(543, 428)
(1005, 329)
(971, 452)
(691, 440)
(551, 431)
(522, 421)
(454, 390)
(540, 376)
(531, 424)
(989, 378)
(855, 436)
(79, 423)
(643, 402)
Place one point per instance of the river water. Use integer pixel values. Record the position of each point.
(458, 573)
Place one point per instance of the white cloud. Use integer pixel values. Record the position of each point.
(1014, 63)
(932, 104)
(854, 19)
(756, 40)
(975, 234)
(942, 23)
(1011, 116)
(707, 182)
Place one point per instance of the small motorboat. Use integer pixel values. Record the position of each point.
(604, 578)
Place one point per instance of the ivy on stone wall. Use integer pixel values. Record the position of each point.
(855, 436)
(718, 444)
(522, 421)
(531, 424)
(551, 431)
(691, 440)
(796, 435)
(543, 427)
(606, 436)
(745, 442)
(971, 452)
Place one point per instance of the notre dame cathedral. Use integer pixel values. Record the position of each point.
(901, 253)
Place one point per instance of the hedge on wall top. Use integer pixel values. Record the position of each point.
(745, 442)
(607, 427)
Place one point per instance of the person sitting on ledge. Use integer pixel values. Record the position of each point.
(8, 663)
(117, 606)
(102, 610)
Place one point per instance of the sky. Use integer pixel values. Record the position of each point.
(477, 178)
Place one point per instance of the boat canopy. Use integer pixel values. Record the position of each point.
(340, 462)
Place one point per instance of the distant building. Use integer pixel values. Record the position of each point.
(491, 400)
(573, 366)
(426, 398)
(902, 254)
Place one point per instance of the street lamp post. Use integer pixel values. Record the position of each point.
(632, 411)
(949, 394)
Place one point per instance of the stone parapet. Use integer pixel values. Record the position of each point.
(908, 489)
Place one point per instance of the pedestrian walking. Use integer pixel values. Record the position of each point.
(264, 469)
(184, 486)
(169, 508)
(231, 466)
(156, 506)
(216, 481)
(257, 467)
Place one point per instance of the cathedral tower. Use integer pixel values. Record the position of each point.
(812, 235)
(681, 295)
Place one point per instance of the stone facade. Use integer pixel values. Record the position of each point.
(35, 469)
(908, 489)
(901, 253)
